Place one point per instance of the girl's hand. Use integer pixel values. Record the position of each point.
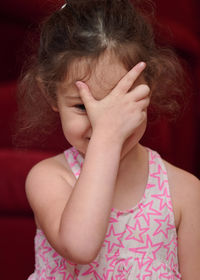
(119, 113)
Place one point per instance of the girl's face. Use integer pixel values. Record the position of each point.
(74, 119)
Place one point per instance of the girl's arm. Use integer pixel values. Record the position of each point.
(189, 230)
(75, 221)
(186, 198)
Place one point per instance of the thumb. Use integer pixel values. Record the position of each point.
(85, 93)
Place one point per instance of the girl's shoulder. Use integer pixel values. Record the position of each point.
(49, 182)
(51, 177)
(55, 166)
(181, 179)
(185, 190)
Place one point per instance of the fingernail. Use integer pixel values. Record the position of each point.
(79, 84)
(141, 64)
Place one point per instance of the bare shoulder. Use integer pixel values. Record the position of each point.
(51, 167)
(185, 190)
(182, 179)
(184, 187)
(49, 183)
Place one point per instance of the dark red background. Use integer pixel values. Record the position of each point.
(177, 142)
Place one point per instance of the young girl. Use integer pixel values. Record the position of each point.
(108, 207)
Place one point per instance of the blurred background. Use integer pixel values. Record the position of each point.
(177, 142)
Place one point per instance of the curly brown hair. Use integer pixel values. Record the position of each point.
(86, 29)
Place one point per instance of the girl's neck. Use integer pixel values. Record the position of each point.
(135, 158)
(132, 178)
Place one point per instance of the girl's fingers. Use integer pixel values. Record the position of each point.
(127, 81)
(139, 92)
(85, 93)
(144, 103)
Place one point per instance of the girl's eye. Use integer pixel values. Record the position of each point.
(80, 107)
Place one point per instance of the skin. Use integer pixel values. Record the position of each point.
(109, 142)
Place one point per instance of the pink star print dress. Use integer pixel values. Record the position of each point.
(140, 243)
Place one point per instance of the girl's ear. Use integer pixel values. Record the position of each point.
(49, 100)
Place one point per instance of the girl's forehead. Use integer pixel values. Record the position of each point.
(101, 75)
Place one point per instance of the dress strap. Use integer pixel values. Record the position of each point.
(159, 189)
(75, 161)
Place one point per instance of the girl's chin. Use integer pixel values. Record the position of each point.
(130, 144)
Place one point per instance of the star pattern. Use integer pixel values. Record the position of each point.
(140, 243)
(159, 267)
(148, 251)
(160, 175)
(163, 226)
(145, 270)
(92, 270)
(166, 275)
(171, 248)
(113, 239)
(113, 220)
(123, 272)
(136, 232)
(147, 210)
(45, 250)
(153, 157)
(165, 199)
(149, 186)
